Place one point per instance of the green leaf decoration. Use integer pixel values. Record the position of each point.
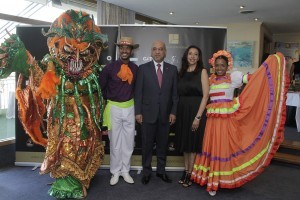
(76, 29)
(84, 133)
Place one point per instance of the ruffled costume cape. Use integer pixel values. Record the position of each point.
(242, 136)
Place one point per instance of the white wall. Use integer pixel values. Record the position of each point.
(292, 37)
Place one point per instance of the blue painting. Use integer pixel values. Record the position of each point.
(242, 53)
(289, 49)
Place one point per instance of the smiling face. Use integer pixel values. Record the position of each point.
(125, 52)
(221, 67)
(158, 51)
(193, 57)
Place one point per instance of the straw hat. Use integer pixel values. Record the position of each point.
(127, 41)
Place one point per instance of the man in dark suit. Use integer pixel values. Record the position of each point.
(155, 108)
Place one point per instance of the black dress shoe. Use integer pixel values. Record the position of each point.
(164, 177)
(145, 179)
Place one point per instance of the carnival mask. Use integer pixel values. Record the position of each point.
(75, 43)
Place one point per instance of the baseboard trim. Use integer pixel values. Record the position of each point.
(7, 141)
(137, 168)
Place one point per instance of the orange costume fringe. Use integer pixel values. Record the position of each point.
(239, 142)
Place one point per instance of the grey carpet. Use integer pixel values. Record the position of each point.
(278, 181)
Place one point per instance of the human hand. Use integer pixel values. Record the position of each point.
(104, 132)
(195, 125)
(172, 119)
(139, 119)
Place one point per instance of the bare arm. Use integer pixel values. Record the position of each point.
(205, 90)
(292, 72)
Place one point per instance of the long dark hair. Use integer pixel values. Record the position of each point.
(185, 64)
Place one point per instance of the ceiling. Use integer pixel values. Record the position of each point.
(279, 16)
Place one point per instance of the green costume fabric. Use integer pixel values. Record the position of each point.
(67, 187)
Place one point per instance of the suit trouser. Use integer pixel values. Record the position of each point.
(154, 132)
(121, 137)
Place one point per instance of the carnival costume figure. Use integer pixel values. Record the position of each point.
(242, 134)
(64, 83)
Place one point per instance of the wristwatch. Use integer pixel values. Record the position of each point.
(198, 118)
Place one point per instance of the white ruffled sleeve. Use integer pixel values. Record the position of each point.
(236, 79)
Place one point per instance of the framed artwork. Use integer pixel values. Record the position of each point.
(242, 53)
(289, 49)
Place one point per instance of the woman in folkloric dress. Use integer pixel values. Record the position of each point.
(242, 134)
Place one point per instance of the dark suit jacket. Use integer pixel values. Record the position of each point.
(152, 101)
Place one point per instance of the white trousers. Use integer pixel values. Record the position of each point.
(121, 137)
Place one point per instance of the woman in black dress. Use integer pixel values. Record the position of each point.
(193, 88)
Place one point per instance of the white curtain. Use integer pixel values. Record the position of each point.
(113, 15)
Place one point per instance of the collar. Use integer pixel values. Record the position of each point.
(121, 62)
(161, 63)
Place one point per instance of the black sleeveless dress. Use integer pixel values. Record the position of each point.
(190, 96)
